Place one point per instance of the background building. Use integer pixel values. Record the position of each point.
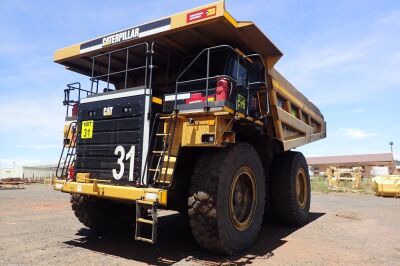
(29, 172)
(373, 164)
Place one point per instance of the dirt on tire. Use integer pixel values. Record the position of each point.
(209, 194)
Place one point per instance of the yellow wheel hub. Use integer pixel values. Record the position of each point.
(243, 198)
(301, 188)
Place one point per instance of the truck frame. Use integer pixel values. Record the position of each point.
(186, 113)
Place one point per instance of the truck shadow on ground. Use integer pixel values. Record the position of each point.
(177, 243)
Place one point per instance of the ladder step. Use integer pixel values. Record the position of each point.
(148, 240)
(163, 134)
(146, 221)
(145, 202)
(165, 117)
(142, 205)
(169, 172)
(154, 170)
(172, 159)
(164, 181)
(160, 152)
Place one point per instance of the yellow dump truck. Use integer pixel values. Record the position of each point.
(186, 113)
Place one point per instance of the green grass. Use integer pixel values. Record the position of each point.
(320, 184)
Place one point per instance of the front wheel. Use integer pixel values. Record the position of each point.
(227, 198)
(103, 215)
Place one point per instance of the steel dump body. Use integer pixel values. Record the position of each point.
(296, 120)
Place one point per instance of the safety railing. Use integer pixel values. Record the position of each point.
(241, 92)
(71, 101)
(96, 76)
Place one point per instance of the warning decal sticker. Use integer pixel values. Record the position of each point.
(201, 14)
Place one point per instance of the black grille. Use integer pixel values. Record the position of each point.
(124, 127)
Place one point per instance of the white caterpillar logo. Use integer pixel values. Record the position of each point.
(107, 111)
(121, 36)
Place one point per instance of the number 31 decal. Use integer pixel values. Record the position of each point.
(120, 151)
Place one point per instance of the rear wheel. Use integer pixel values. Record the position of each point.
(290, 182)
(226, 199)
(103, 215)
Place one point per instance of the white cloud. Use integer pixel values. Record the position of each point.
(351, 65)
(355, 133)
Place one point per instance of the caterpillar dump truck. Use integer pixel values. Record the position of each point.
(186, 113)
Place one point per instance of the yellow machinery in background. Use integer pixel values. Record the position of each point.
(387, 186)
(335, 175)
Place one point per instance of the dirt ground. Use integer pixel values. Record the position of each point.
(37, 227)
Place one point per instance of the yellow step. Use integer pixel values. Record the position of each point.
(169, 171)
(172, 159)
(146, 221)
(145, 202)
(144, 239)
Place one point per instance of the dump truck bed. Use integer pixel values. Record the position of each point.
(185, 33)
(296, 120)
(295, 92)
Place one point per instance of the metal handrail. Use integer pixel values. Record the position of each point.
(121, 49)
(213, 77)
(209, 48)
(207, 78)
(67, 94)
(118, 72)
(261, 82)
(109, 73)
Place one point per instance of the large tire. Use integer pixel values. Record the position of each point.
(290, 185)
(264, 147)
(226, 199)
(103, 215)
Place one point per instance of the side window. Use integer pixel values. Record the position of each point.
(242, 76)
(255, 72)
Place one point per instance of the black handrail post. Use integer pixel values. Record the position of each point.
(91, 87)
(146, 69)
(151, 52)
(237, 78)
(208, 74)
(126, 66)
(108, 71)
(248, 95)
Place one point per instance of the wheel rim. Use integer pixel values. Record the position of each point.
(243, 200)
(301, 188)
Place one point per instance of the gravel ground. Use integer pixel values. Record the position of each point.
(37, 227)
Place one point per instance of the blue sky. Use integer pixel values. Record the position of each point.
(343, 55)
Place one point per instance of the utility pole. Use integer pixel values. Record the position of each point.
(391, 146)
(394, 161)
